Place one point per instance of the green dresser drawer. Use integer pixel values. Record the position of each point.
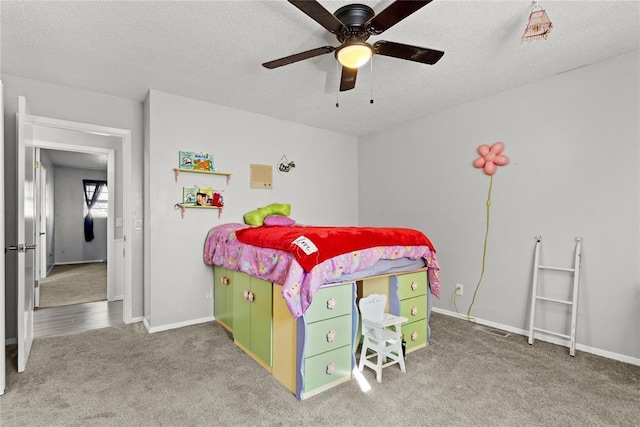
(330, 301)
(328, 335)
(327, 367)
(415, 334)
(414, 308)
(411, 285)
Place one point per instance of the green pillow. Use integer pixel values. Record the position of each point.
(256, 216)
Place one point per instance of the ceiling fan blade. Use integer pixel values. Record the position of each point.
(348, 79)
(393, 14)
(405, 51)
(318, 13)
(298, 57)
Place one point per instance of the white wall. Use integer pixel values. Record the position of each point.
(70, 246)
(322, 189)
(573, 141)
(65, 103)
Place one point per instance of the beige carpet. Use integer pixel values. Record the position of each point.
(195, 376)
(74, 284)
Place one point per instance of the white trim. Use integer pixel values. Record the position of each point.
(128, 229)
(3, 363)
(177, 325)
(546, 338)
(127, 216)
(111, 213)
(11, 341)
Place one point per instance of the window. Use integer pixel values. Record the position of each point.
(100, 208)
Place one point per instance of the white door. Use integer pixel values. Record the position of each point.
(26, 234)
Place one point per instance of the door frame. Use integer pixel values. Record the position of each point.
(38, 223)
(42, 172)
(3, 362)
(127, 218)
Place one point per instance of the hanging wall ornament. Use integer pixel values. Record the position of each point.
(284, 165)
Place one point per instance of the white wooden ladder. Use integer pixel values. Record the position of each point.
(573, 302)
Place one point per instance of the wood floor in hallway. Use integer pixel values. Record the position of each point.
(75, 318)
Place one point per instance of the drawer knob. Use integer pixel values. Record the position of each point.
(224, 280)
(414, 336)
(414, 286)
(331, 303)
(331, 368)
(248, 295)
(414, 311)
(331, 336)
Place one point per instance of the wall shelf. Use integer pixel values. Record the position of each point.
(178, 170)
(182, 207)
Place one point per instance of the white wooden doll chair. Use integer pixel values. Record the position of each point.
(381, 334)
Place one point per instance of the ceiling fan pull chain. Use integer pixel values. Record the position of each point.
(371, 100)
(338, 89)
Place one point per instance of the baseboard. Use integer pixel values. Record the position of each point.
(80, 262)
(553, 340)
(10, 341)
(136, 320)
(177, 325)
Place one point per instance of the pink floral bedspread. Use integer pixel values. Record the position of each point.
(298, 287)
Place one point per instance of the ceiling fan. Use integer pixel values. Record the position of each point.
(352, 25)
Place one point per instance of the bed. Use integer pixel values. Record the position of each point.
(289, 294)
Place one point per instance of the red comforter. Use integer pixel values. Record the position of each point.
(329, 241)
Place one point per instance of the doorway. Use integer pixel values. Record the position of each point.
(72, 275)
(42, 132)
(84, 144)
(72, 269)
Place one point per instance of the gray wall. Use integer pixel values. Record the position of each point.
(322, 189)
(65, 103)
(573, 141)
(574, 171)
(70, 245)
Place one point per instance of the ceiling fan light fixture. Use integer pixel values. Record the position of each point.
(354, 55)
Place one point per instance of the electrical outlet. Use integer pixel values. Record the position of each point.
(459, 289)
(209, 293)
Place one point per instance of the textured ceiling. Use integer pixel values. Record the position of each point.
(71, 159)
(212, 51)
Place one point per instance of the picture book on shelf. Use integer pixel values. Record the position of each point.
(196, 161)
(204, 196)
(207, 196)
(186, 159)
(189, 195)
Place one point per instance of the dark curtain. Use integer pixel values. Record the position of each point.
(91, 200)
